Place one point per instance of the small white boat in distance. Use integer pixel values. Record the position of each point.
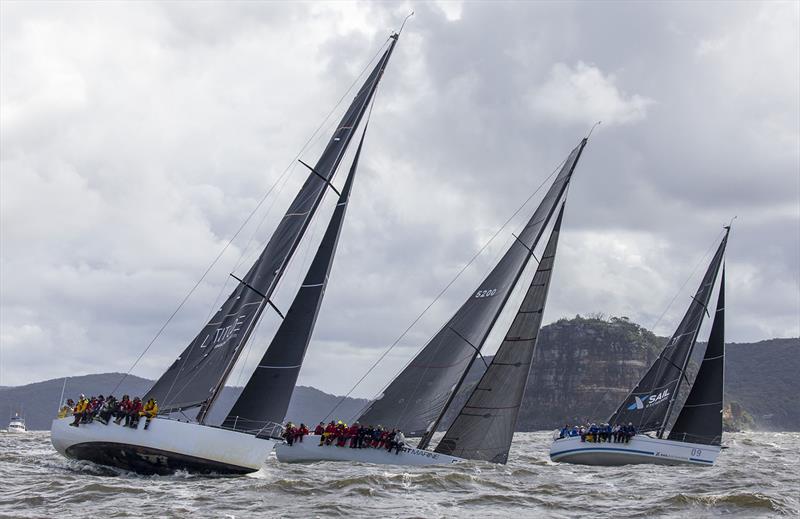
(310, 450)
(640, 449)
(17, 424)
(166, 446)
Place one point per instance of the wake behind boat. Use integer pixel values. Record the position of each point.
(696, 435)
(195, 380)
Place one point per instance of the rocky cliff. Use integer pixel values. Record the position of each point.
(584, 367)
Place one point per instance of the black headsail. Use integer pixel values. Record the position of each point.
(484, 428)
(415, 399)
(266, 395)
(649, 405)
(199, 373)
(700, 420)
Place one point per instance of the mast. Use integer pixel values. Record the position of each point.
(484, 428)
(266, 395)
(199, 373)
(416, 399)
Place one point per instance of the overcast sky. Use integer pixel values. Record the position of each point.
(136, 138)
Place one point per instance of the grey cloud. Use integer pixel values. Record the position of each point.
(138, 138)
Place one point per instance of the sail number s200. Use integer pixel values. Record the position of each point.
(485, 293)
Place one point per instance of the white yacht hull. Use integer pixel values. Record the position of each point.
(640, 449)
(166, 446)
(309, 450)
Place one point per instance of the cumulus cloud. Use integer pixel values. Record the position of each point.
(582, 93)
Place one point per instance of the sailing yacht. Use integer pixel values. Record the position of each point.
(194, 381)
(417, 399)
(695, 436)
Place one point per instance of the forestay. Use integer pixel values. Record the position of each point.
(415, 399)
(266, 395)
(200, 371)
(700, 420)
(649, 405)
(484, 428)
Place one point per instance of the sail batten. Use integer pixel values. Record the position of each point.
(649, 406)
(484, 428)
(214, 351)
(414, 401)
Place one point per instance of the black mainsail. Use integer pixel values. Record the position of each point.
(415, 400)
(650, 404)
(700, 420)
(484, 428)
(199, 373)
(266, 395)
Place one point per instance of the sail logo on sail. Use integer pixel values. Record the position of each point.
(648, 401)
(224, 334)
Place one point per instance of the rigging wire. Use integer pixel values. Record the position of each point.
(247, 219)
(438, 296)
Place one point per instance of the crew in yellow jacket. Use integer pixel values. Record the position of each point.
(150, 410)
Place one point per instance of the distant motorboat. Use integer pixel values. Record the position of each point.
(17, 424)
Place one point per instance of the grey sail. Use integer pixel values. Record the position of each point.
(484, 428)
(415, 399)
(198, 374)
(700, 420)
(649, 405)
(266, 395)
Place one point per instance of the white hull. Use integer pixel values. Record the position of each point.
(640, 449)
(166, 446)
(16, 427)
(309, 450)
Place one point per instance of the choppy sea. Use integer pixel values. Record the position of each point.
(757, 476)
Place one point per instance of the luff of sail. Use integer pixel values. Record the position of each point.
(200, 371)
(414, 400)
(484, 428)
(649, 405)
(700, 419)
(265, 397)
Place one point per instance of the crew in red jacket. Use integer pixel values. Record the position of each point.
(133, 415)
(352, 433)
(320, 429)
(300, 432)
(330, 433)
(341, 434)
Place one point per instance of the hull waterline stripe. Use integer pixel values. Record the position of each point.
(599, 449)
